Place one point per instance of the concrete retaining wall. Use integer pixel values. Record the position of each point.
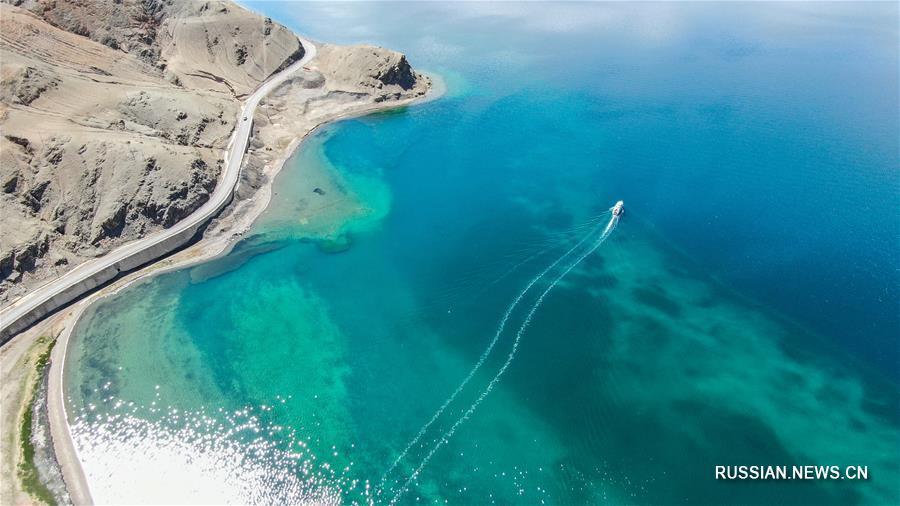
(72, 293)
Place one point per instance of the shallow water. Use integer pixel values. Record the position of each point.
(743, 311)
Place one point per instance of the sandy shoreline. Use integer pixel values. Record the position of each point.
(218, 240)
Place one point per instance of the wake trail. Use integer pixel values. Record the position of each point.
(533, 249)
(484, 355)
(614, 220)
(546, 246)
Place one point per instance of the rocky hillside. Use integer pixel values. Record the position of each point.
(198, 44)
(114, 117)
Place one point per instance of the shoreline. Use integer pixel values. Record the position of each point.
(81, 279)
(223, 236)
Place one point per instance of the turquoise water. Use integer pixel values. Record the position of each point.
(744, 311)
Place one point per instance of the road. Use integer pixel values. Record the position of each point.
(82, 274)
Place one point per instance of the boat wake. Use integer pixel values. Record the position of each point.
(606, 232)
(482, 358)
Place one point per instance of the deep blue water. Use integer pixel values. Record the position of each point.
(762, 140)
(743, 312)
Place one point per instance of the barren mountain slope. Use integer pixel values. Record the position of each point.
(201, 44)
(107, 130)
(205, 43)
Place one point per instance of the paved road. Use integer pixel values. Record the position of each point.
(220, 197)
